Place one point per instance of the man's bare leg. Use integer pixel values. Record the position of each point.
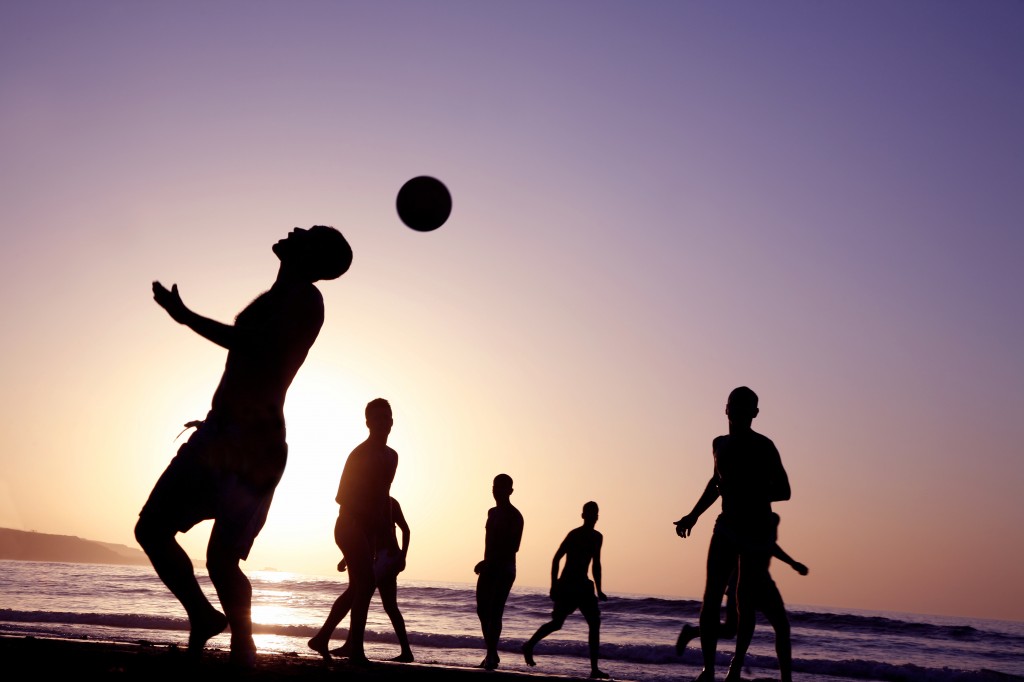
(174, 567)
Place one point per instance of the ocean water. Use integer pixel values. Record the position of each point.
(638, 633)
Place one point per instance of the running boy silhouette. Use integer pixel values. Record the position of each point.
(229, 467)
(573, 590)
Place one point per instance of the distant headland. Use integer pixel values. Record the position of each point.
(20, 545)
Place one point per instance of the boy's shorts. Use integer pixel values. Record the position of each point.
(190, 491)
(387, 564)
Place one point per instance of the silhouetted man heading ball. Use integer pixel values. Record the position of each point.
(230, 466)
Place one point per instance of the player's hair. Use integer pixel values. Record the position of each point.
(330, 256)
(377, 405)
(590, 507)
(503, 481)
(743, 398)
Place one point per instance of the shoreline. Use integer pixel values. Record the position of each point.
(110, 660)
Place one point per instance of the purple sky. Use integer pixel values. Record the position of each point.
(653, 203)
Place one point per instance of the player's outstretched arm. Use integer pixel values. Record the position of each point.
(169, 299)
(707, 498)
(781, 555)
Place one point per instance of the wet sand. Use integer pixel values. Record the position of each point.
(38, 657)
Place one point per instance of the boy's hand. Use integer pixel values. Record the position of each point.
(685, 525)
(170, 301)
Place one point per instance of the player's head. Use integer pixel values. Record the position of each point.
(590, 512)
(502, 486)
(742, 405)
(321, 252)
(378, 416)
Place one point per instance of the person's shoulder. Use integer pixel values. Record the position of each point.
(304, 299)
(763, 440)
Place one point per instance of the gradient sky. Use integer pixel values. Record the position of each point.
(654, 202)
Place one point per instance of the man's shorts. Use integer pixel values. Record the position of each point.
(190, 490)
(571, 595)
(748, 536)
(387, 564)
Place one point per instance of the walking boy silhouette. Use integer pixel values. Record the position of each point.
(748, 475)
(388, 562)
(497, 571)
(364, 524)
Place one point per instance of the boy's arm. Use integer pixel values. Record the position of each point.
(778, 486)
(221, 334)
(597, 568)
(781, 555)
(554, 566)
(399, 519)
(707, 498)
(487, 541)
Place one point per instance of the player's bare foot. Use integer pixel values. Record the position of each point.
(685, 635)
(203, 629)
(243, 653)
(596, 674)
(319, 644)
(358, 658)
(528, 654)
(404, 657)
(705, 676)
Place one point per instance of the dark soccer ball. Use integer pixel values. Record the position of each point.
(424, 203)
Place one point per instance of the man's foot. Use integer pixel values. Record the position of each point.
(685, 635)
(358, 658)
(319, 644)
(596, 674)
(733, 675)
(204, 628)
(528, 653)
(404, 657)
(342, 651)
(705, 676)
(243, 654)
(490, 662)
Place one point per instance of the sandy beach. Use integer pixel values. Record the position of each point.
(37, 656)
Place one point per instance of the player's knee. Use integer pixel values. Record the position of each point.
(220, 564)
(148, 534)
